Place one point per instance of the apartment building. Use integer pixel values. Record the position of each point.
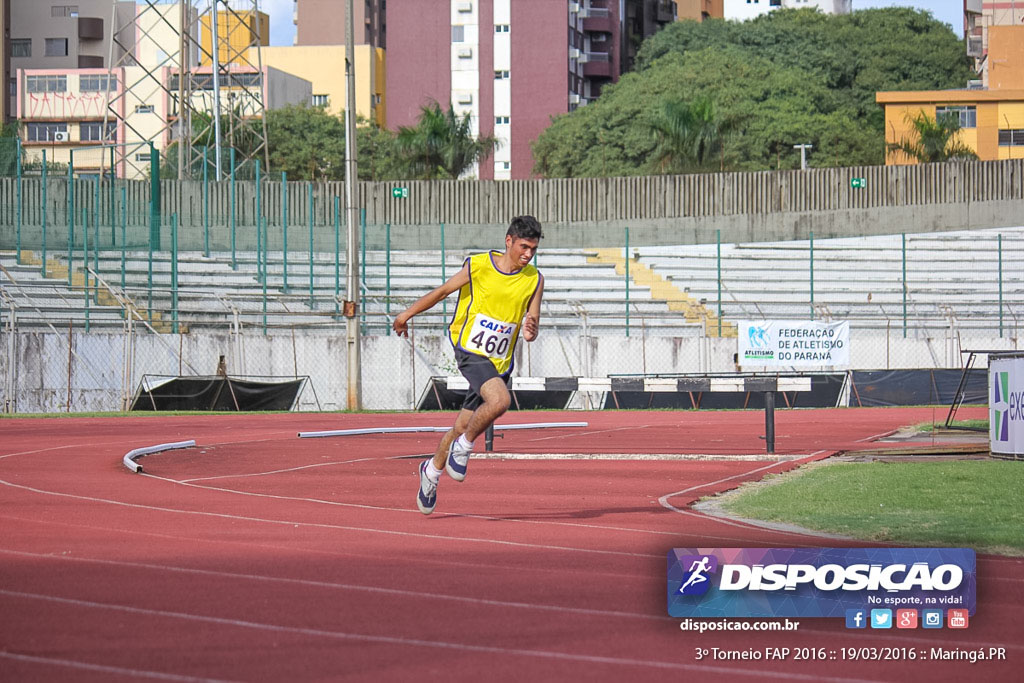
(981, 18)
(322, 22)
(991, 119)
(510, 65)
(238, 31)
(62, 35)
(699, 10)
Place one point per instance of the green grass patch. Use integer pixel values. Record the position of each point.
(980, 425)
(966, 503)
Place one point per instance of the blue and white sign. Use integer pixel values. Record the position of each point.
(794, 343)
(848, 583)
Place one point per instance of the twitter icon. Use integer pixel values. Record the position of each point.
(881, 618)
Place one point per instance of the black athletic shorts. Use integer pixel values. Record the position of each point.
(477, 369)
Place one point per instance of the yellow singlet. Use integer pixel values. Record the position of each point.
(490, 311)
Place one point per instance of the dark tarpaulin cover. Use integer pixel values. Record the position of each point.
(916, 387)
(217, 393)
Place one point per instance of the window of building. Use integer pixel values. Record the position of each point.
(967, 116)
(458, 34)
(320, 100)
(12, 86)
(144, 109)
(21, 47)
(142, 156)
(499, 120)
(501, 28)
(44, 132)
(46, 83)
(500, 75)
(93, 131)
(56, 47)
(64, 11)
(1012, 137)
(97, 83)
(506, 165)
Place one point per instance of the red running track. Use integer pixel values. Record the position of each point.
(260, 556)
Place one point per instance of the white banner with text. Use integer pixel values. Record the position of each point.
(789, 343)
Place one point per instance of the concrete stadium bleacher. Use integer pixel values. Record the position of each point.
(951, 278)
(948, 275)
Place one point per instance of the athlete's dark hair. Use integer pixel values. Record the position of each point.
(525, 227)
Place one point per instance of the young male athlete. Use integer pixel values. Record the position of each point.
(499, 296)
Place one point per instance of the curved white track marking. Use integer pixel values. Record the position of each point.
(319, 551)
(319, 525)
(417, 642)
(282, 471)
(742, 525)
(486, 518)
(102, 668)
(561, 609)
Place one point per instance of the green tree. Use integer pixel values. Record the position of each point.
(933, 139)
(306, 142)
(691, 135)
(441, 144)
(789, 77)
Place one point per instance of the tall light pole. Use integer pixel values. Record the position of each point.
(355, 390)
(803, 154)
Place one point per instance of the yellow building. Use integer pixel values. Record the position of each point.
(324, 67)
(991, 120)
(238, 31)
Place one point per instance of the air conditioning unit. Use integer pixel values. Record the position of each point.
(464, 7)
(464, 98)
(574, 53)
(574, 98)
(574, 7)
(465, 52)
(61, 136)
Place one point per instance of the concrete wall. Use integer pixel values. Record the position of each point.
(395, 372)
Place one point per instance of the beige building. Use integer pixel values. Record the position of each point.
(324, 67)
(238, 31)
(991, 119)
(699, 10)
(322, 22)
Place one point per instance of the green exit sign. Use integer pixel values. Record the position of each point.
(400, 192)
(858, 183)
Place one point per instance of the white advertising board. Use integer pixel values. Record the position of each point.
(1006, 404)
(793, 343)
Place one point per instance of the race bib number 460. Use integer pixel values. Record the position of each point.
(490, 337)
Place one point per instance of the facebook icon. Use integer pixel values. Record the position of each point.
(856, 618)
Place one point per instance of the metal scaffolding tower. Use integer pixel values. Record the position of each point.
(197, 120)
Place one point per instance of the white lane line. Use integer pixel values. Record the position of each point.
(102, 668)
(741, 525)
(561, 609)
(281, 471)
(486, 518)
(320, 525)
(418, 642)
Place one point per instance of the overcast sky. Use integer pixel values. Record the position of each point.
(282, 30)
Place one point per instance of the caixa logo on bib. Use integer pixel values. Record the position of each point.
(816, 582)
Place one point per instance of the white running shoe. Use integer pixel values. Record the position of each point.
(426, 497)
(457, 462)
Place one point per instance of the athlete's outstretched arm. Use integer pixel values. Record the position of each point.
(430, 299)
(531, 325)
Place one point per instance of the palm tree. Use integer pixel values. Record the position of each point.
(689, 135)
(441, 144)
(933, 139)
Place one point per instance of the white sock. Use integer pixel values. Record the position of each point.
(433, 474)
(463, 443)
